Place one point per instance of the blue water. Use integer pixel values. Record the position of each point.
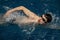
(15, 32)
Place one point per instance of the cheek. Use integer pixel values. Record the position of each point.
(40, 21)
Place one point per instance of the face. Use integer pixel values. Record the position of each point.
(42, 19)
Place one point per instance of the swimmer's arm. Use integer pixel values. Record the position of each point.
(26, 11)
(29, 13)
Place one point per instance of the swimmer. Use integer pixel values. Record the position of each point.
(32, 17)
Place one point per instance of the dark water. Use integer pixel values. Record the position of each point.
(15, 32)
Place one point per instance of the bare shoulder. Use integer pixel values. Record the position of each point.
(22, 7)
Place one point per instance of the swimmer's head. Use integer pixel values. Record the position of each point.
(45, 18)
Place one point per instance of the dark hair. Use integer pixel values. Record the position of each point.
(48, 17)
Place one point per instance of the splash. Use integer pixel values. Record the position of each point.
(2, 21)
(28, 29)
(55, 22)
(21, 20)
(6, 8)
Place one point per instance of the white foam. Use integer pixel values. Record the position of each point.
(55, 22)
(6, 8)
